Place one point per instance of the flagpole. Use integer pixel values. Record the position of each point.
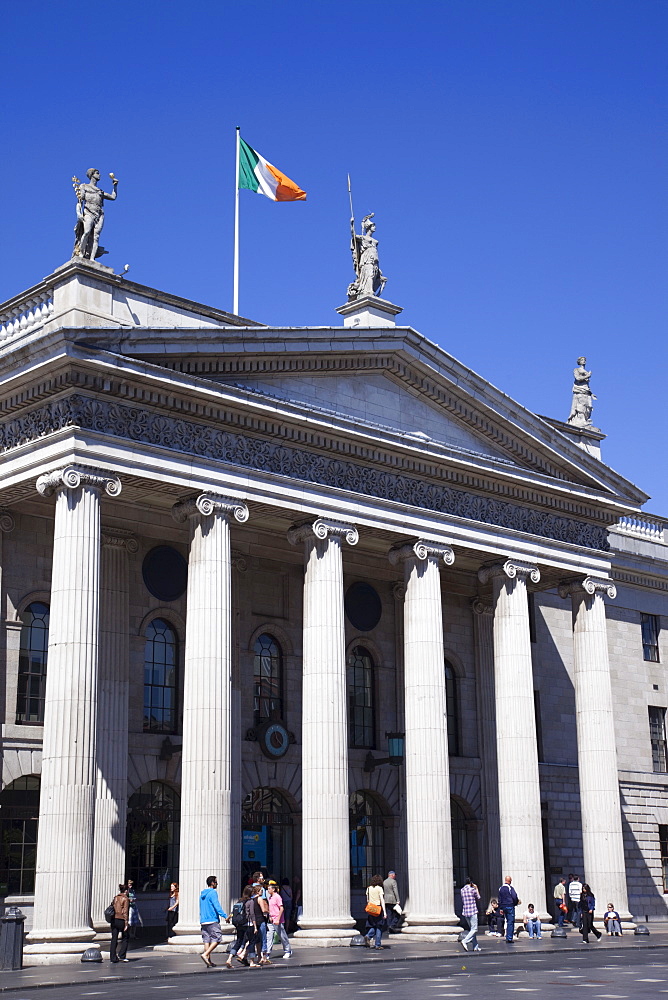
(235, 308)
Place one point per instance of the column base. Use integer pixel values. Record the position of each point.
(326, 936)
(54, 952)
(432, 933)
(191, 943)
(72, 936)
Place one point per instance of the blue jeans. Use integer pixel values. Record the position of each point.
(561, 916)
(375, 934)
(534, 928)
(472, 921)
(509, 914)
(263, 935)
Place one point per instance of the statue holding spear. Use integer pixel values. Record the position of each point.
(370, 279)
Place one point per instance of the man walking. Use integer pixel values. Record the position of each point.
(508, 900)
(391, 890)
(470, 896)
(574, 893)
(559, 895)
(210, 915)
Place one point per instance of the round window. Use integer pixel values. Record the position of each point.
(363, 606)
(165, 573)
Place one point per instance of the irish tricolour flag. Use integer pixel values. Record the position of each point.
(256, 174)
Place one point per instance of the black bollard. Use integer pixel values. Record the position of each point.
(11, 939)
(92, 955)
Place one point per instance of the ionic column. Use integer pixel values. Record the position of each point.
(602, 839)
(428, 824)
(483, 633)
(206, 760)
(112, 724)
(325, 809)
(517, 752)
(69, 772)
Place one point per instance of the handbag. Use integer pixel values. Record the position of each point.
(110, 913)
(373, 909)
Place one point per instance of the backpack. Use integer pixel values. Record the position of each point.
(238, 915)
(110, 913)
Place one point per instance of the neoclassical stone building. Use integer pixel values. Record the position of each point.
(240, 564)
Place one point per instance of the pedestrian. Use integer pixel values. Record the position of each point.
(259, 881)
(120, 925)
(574, 893)
(470, 897)
(560, 906)
(135, 916)
(587, 908)
(494, 915)
(376, 914)
(210, 914)
(612, 921)
(244, 930)
(297, 907)
(508, 900)
(255, 916)
(391, 890)
(531, 921)
(286, 896)
(277, 918)
(173, 908)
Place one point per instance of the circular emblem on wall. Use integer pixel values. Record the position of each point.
(165, 573)
(363, 606)
(274, 739)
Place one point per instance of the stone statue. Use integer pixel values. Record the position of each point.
(582, 405)
(90, 214)
(370, 279)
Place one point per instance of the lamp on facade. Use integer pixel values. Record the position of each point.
(395, 747)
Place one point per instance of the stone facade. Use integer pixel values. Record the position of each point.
(284, 469)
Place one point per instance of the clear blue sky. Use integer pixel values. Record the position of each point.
(514, 152)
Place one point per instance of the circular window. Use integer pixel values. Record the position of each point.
(165, 573)
(363, 606)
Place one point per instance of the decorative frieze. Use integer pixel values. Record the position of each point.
(263, 455)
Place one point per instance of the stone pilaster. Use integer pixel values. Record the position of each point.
(483, 633)
(206, 761)
(517, 752)
(112, 724)
(427, 771)
(602, 839)
(69, 772)
(325, 793)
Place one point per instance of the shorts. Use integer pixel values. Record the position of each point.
(211, 933)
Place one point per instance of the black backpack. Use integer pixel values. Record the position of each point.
(238, 915)
(110, 913)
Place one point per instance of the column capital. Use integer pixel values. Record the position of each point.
(421, 550)
(115, 538)
(73, 476)
(510, 568)
(481, 607)
(209, 503)
(588, 585)
(6, 520)
(321, 528)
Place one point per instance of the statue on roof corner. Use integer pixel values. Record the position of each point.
(583, 397)
(90, 214)
(370, 279)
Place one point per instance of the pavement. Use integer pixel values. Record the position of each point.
(145, 964)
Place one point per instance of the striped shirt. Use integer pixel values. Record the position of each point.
(470, 897)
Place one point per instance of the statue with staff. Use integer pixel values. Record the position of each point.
(370, 279)
(90, 214)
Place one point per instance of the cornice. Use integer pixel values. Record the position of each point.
(639, 580)
(372, 477)
(398, 456)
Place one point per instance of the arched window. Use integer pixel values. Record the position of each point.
(32, 664)
(152, 837)
(360, 699)
(452, 709)
(460, 847)
(367, 839)
(267, 833)
(267, 678)
(160, 663)
(19, 814)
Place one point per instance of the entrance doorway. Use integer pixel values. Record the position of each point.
(268, 834)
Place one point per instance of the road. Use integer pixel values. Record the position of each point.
(635, 975)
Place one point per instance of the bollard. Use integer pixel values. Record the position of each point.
(92, 955)
(358, 941)
(641, 929)
(559, 932)
(11, 939)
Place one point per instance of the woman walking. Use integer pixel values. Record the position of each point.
(173, 908)
(277, 921)
(119, 925)
(376, 914)
(587, 907)
(245, 930)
